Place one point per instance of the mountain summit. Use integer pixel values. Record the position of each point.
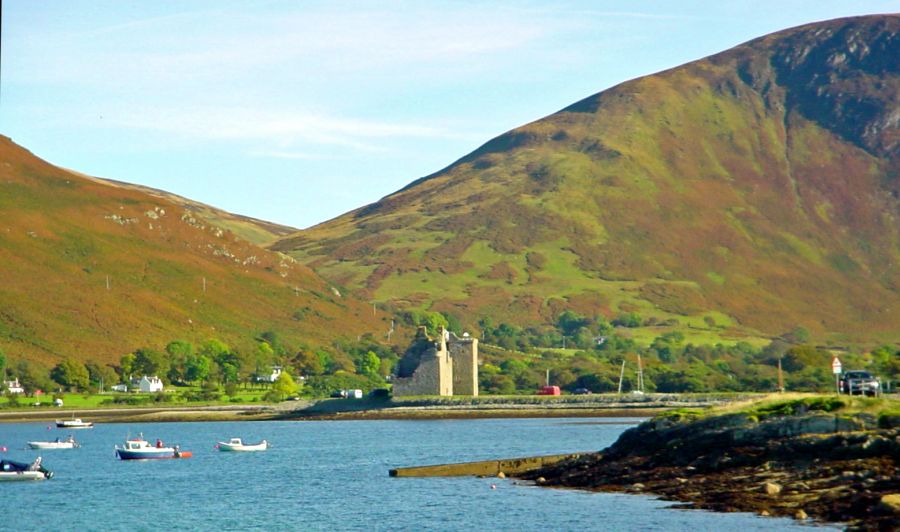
(753, 190)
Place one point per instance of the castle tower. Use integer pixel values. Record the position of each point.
(464, 355)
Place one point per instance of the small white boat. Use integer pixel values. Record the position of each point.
(68, 443)
(236, 444)
(10, 470)
(140, 449)
(74, 423)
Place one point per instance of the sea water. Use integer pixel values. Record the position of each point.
(328, 475)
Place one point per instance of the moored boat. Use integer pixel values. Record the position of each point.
(68, 443)
(236, 444)
(74, 423)
(140, 449)
(11, 470)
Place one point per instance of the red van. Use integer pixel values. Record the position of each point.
(549, 390)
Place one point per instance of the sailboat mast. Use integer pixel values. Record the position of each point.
(640, 375)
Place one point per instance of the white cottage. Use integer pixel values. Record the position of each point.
(151, 384)
(13, 386)
(271, 377)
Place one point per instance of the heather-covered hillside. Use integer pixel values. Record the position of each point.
(744, 194)
(93, 271)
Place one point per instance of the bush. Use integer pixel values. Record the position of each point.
(13, 400)
(231, 389)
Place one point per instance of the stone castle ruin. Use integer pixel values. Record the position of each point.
(448, 366)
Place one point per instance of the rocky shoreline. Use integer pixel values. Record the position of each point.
(807, 458)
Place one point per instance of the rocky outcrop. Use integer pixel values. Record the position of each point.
(822, 465)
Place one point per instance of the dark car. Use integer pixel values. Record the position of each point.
(339, 394)
(581, 391)
(380, 393)
(858, 382)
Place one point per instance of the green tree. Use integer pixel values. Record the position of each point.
(196, 368)
(308, 362)
(178, 351)
(2, 364)
(228, 362)
(668, 346)
(369, 364)
(797, 335)
(432, 321)
(150, 362)
(887, 361)
(214, 349)
(453, 322)
(569, 322)
(126, 364)
(264, 358)
(32, 378)
(210, 390)
(629, 320)
(271, 338)
(101, 374)
(284, 385)
(799, 357)
(71, 374)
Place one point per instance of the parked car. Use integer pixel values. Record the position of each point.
(582, 391)
(340, 394)
(380, 393)
(859, 382)
(549, 390)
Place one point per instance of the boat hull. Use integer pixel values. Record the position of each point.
(51, 445)
(21, 475)
(242, 447)
(156, 454)
(18, 471)
(74, 424)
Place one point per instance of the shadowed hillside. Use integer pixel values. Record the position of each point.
(93, 271)
(746, 193)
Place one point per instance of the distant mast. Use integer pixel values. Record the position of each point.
(621, 376)
(640, 375)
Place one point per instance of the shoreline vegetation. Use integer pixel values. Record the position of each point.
(596, 405)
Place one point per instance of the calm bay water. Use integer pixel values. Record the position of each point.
(328, 475)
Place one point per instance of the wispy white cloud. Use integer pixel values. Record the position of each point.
(278, 127)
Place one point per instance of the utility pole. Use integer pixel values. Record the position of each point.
(780, 377)
(640, 375)
(621, 376)
(107, 282)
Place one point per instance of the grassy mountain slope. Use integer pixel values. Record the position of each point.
(94, 271)
(742, 195)
(256, 231)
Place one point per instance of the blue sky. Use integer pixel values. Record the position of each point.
(298, 111)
